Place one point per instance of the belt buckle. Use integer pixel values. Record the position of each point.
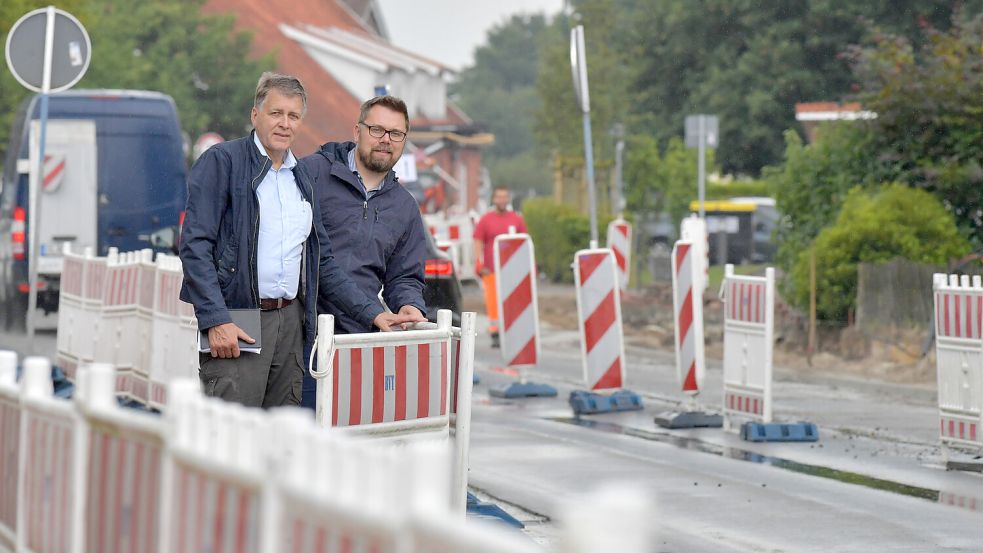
(279, 303)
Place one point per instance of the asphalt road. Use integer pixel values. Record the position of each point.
(874, 482)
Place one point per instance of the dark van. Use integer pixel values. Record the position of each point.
(114, 176)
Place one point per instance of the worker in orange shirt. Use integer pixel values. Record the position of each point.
(495, 222)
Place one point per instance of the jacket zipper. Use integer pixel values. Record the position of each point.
(255, 245)
(365, 210)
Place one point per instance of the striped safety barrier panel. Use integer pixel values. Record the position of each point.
(173, 349)
(749, 330)
(214, 476)
(397, 384)
(599, 314)
(687, 301)
(10, 415)
(619, 242)
(127, 316)
(515, 270)
(959, 358)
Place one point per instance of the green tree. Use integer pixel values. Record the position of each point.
(197, 59)
(661, 182)
(929, 104)
(499, 92)
(893, 221)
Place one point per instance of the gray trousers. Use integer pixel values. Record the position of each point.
(271, 378)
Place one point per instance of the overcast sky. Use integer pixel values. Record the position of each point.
(449, 30)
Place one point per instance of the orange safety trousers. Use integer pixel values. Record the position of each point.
(491, 303)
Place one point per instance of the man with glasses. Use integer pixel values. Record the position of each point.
(374, 223)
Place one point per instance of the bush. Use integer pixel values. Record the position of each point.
(894, 221)
(557, 232)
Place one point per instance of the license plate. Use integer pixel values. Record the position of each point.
(50, 265)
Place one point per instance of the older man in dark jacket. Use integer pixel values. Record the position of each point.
(252, 241)
(374, 224)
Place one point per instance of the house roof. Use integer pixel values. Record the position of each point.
(285, 26)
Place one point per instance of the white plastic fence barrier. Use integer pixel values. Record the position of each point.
(10, 430)
(749, 337)
(92, 476)
(599, 314)
(457, 232)
(687, 302)
(959, 359)
(126, 321)
(397, 384)
(80, 308)
(173, 349)
(619, 242)
(518, 309)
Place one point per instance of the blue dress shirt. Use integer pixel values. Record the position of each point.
(285, 220)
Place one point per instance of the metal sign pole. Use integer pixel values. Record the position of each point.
(35, 184)
(578, 62)
(701, 163)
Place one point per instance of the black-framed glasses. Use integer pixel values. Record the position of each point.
(379, 132)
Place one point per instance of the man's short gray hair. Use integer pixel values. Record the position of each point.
(288, 85)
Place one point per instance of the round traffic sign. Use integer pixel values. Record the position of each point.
(70, 49)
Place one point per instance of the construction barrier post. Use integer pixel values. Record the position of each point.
(687, 301)
(518, 311)
(619, 242)
(601, 335)
(959, 361)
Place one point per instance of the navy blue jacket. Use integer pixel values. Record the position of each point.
(380, 242)
(220, 237)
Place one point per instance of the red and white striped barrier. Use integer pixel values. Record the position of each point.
(173, 349)
(395, 384)
(215, 476)
(125, 467)
(52, 446)
(10, 427)
(219, 465)
(687, 302)
(127, 316)
(599, 313)
(462, 382)
(619, 242)
(749, 337)
(959, 359)
(692, 229)
(515, 267)
(80, 307)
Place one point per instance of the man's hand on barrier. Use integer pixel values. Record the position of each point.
(386, 321)
(411, 311)
(224, 340)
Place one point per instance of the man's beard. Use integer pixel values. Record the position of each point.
(377, 166)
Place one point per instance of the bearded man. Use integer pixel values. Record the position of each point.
(374, 223)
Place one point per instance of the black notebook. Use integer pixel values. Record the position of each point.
(248, 321)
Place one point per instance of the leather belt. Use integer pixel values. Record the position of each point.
(268, 304)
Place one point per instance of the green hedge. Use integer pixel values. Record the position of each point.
(558, 231)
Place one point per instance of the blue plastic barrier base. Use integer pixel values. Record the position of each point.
(518, 389)
(974, 464)
(490, 511)
(591, 403)
(689, 419)
(779, 432)
(474, 379)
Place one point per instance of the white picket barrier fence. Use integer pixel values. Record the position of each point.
(91, 476)
(397, 385)
(80, 308)
(749, 338)
(126, 321)
(959, 359)
(124, 309)
(174, 347)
